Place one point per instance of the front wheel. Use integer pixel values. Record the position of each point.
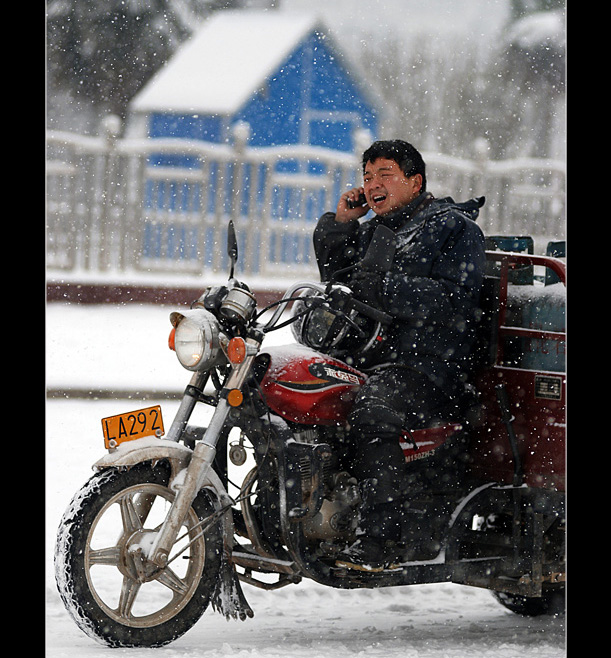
(106, 529)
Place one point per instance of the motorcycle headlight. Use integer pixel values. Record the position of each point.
(196, 339)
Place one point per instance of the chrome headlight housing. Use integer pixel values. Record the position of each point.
(196, 339)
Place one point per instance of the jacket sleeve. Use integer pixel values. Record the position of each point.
(335, 244)
(456, 261)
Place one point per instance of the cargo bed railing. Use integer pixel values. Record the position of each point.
(509, 261)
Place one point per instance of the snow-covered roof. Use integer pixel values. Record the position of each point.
(224, 62)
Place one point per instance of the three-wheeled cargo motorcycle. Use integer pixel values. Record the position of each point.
(153, 538)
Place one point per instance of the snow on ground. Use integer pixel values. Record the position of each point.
(125, 347)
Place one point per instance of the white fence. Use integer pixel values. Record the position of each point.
(162, 205)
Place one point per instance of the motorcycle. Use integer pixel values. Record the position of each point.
(154, 539)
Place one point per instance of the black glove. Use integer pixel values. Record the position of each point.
(366, 286)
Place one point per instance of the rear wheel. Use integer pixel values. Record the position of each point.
(501, 535)
(100, 571)
(551, 603)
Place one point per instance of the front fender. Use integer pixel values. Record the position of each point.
(135, 452)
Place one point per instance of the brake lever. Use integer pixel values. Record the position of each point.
(344, 299)
(371, 312)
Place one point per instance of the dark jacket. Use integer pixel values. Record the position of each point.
(433, 287)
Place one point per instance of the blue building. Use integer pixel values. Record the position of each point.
(280, 72)
(284, 76)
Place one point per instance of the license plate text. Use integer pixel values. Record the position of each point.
(132, 425)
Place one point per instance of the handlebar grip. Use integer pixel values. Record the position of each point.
(370, 312)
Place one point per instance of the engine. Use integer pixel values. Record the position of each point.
(330, 495)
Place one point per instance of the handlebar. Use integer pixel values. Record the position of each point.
(288, 297)
(339, 290)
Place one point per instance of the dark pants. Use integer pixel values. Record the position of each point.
(392, 399)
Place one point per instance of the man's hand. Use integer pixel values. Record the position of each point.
(344, 213)
(367, 287)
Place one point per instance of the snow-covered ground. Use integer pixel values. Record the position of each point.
(125, 348)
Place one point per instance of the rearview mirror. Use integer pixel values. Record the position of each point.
(232, 246)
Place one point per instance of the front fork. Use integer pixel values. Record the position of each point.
(204, 451)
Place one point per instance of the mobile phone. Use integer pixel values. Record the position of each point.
(359, 202)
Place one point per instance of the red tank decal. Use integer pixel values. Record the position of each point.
(307, 387)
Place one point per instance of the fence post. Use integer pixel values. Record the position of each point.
(134, 199)
(362, 141)
(111, 126)
(241, 135)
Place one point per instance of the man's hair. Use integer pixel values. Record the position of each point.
(403, 153)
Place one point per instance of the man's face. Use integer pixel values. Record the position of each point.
(386, 186)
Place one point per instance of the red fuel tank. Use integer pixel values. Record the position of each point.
(307, 387)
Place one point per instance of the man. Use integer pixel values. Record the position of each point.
(432, 292)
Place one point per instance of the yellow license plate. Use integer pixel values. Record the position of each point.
(132, 425)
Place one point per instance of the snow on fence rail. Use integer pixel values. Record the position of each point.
(161, 206)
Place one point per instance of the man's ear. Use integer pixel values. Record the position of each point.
(418, 182)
